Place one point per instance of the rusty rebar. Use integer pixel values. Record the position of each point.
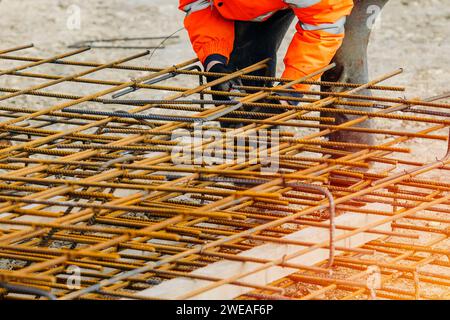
(117, 204)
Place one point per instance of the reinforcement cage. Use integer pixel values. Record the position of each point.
(95, 205)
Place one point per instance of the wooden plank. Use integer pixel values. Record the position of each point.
(174, 288)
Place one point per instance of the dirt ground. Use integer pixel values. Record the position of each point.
(412, 34)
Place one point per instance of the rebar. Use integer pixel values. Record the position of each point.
(117, 195)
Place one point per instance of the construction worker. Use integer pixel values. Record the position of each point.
(233, 34)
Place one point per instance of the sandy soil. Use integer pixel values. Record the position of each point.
(409, 34)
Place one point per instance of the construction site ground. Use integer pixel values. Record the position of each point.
(410, 34)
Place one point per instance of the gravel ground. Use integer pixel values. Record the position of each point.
(409, 34)
(412, 34)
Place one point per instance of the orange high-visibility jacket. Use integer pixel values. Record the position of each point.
(320, 30)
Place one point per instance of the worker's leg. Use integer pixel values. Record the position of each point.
(351, 61)
(255, 41)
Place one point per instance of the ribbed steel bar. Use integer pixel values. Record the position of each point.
(350, 96)
(193, 250)
(27, 46)
(212, 74)
(43, 61)
(109, 187)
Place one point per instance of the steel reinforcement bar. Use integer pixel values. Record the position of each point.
(104, 203)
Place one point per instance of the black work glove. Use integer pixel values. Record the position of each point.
(291, 94)
(217, 63)
(281, 102)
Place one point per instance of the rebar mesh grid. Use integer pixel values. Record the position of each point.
(88, 184)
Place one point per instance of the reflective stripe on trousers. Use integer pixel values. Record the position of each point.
(196, 6)
(203, 4)
(334, 28)
(301, 3)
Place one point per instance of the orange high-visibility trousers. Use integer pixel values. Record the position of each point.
(320, 29)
